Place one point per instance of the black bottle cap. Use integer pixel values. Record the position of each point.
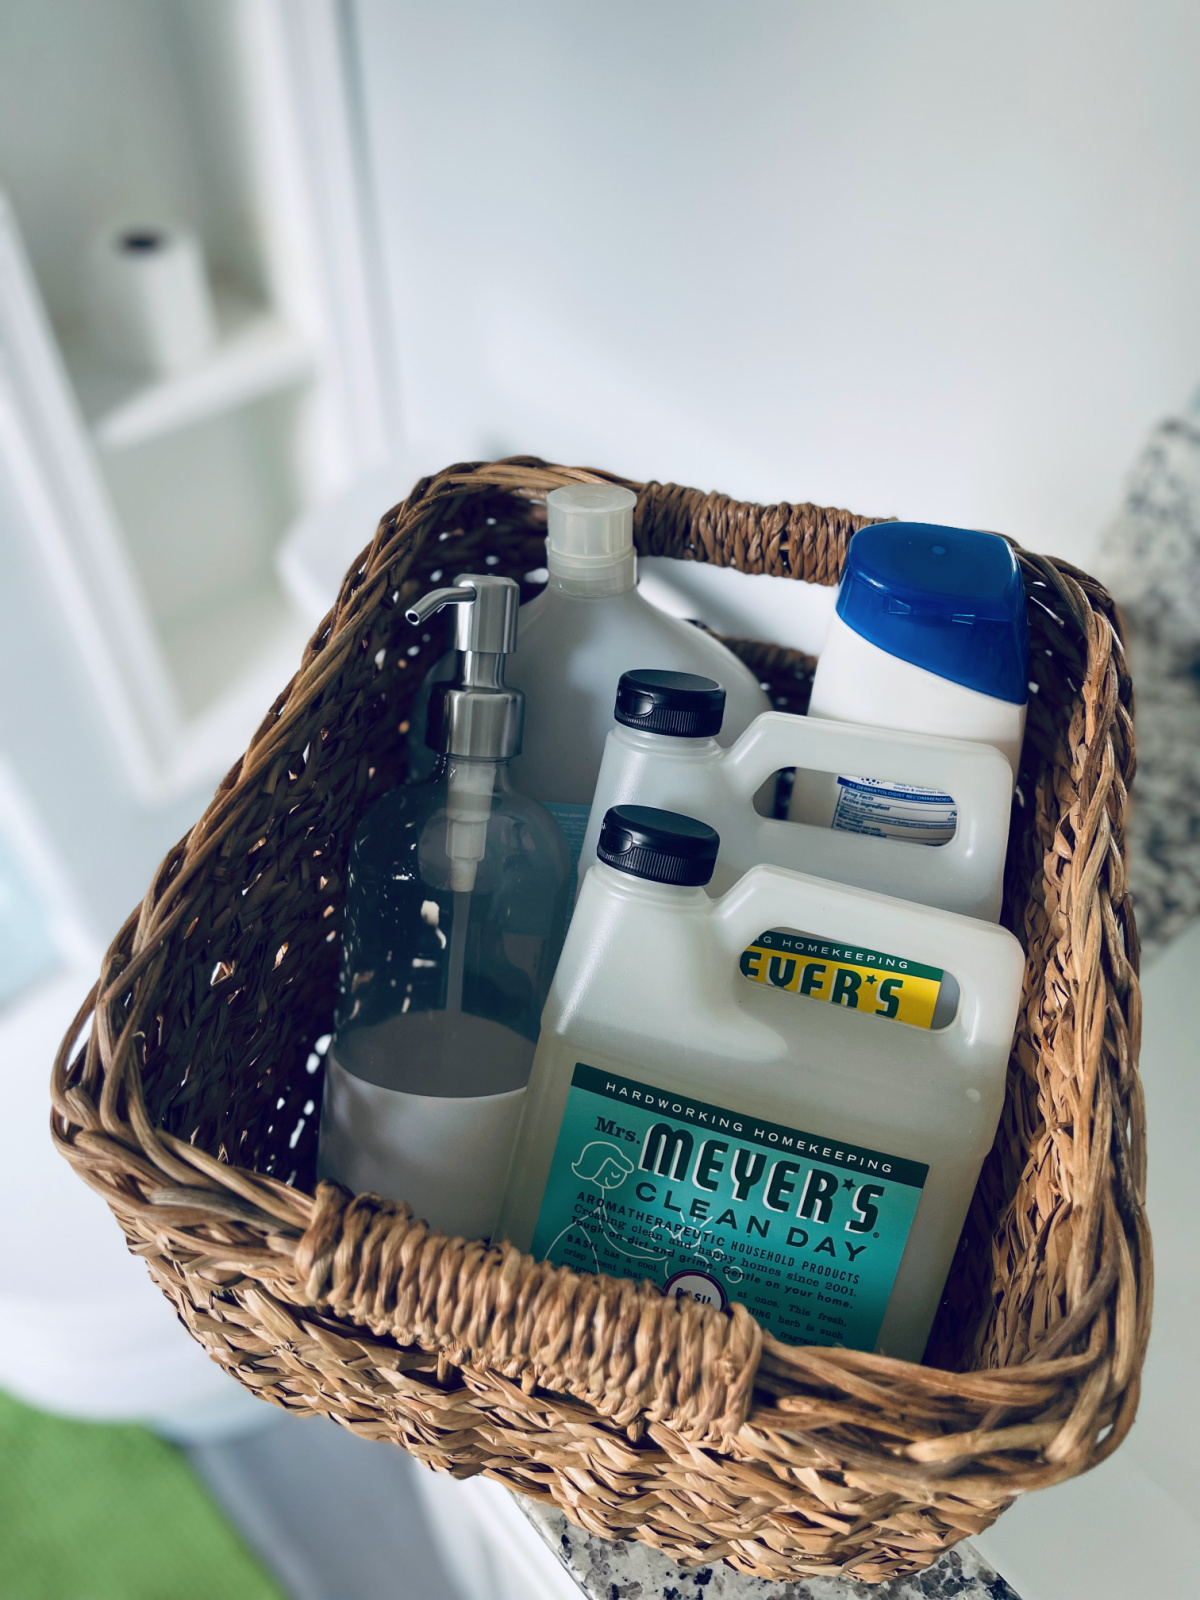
(662, 846)
(678, 703)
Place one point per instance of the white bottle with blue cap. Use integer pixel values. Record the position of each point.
(930, 636)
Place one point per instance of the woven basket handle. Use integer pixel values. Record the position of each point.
(620, 1346)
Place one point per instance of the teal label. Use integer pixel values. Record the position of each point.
(572, 821)
(806, 1231)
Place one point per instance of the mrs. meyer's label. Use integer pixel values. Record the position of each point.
(846, 975)
(805, 1231)
(894, 811)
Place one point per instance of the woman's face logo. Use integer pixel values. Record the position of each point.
(602, 1164)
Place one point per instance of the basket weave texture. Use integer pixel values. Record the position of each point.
(193, 1102)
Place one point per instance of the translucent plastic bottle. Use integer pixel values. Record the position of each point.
(930, 636)
(663, 752)
(736, 1111)
(589, 626)
(455, 907)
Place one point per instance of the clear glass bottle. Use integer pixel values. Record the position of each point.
(456, 905)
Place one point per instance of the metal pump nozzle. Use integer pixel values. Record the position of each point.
(486, 621)
(476, 714)
(475, 717)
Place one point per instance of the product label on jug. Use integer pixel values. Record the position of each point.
(572, 821)
(894, 811)
(846, 975)
(806, 1231)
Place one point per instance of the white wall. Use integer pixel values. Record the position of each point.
(930, 259)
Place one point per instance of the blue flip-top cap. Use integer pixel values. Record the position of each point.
(947, 599)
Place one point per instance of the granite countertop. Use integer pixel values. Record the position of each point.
(1150, 559)
(624, 1570)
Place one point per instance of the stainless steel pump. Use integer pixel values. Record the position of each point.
(476, 714)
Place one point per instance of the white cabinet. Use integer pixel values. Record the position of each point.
(486, 1543)
(143, 629)
(157, 500)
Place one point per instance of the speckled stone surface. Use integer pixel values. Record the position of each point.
(627, 1571)
(1164, 856)
(1150, 559)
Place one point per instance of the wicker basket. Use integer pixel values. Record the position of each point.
(193, 1109)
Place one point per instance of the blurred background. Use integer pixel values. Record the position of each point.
(262, 264)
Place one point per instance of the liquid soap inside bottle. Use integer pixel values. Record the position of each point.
(442, 988)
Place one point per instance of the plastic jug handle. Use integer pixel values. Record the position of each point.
(778, 739)
(977, 775)
(986, 960)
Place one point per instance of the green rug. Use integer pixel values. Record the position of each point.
(90, 1511)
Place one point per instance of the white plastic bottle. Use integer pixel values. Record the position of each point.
(588, 627)
(930, 636)
(738, 1112)
(663, 752)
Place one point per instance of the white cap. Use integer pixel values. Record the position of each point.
(589, 541)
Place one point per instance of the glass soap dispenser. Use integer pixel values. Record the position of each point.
(456, 906)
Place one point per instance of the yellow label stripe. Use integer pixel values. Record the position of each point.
(897, 996)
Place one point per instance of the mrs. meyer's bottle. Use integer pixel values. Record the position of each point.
(455, 907)
(663, 753)
(737, 1111)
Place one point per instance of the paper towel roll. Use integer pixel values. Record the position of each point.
(151, 307)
